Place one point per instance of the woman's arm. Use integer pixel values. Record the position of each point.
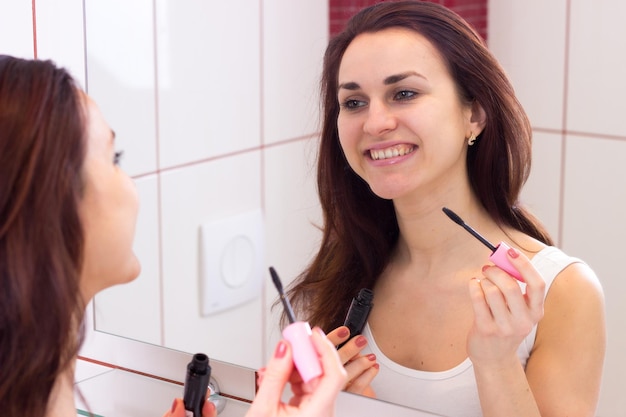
(563, 372)
(565, 367)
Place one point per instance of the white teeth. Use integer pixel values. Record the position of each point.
(378, 154)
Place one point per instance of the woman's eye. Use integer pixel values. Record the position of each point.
(405, 95)
(117, 158)
(352, 104)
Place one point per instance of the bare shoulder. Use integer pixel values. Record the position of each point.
(575, 284)
(565, 365)
(574, 305)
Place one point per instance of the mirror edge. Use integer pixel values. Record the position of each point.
(158, 361)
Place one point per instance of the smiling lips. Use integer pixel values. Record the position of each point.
(391, 152)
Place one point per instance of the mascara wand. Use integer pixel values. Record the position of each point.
(279, 287)
(498, 253)
(455, 218)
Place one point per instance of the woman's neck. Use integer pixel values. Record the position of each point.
(61, 402)
(431, 239)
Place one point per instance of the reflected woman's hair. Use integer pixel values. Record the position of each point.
(42, 149)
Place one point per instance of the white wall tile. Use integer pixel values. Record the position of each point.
(16, 29)
(60, 35)
(209, 78)
(295, 35)
(133, 310)
(542, 192)
(597, 85)
(191, 196)
(120, 67)
(594, 230)
(293, 216)
(528, 38)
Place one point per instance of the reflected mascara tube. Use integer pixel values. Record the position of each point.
(298, 333)
(358, 312)
(196, 385)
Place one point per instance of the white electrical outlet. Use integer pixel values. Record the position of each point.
(231, 261)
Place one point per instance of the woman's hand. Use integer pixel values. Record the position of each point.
(313, 399)
(178, 409)
(504, 313)
(361, 369)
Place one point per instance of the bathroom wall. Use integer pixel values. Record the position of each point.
(566, 59)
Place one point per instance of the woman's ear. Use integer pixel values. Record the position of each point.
(478, 118)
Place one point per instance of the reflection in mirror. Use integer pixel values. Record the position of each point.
(184, 179)
(426, 118)
(203, 163)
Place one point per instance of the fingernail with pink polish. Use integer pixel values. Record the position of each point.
(361, 341)
(281, 348)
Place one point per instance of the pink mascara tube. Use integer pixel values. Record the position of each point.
(298, 334)
(498, 253)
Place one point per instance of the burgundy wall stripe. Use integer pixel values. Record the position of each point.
(474, 11)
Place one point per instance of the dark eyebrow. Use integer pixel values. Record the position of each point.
(113, 135)
(392, 79)
(348, 86)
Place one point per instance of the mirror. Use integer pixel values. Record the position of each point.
(217, 117)
(224, 122)
(215, 105)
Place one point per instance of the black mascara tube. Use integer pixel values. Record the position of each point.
(196, 384)
(358, 312)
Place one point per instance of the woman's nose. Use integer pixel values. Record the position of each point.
(380, 119)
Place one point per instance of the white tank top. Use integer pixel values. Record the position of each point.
(453, 392)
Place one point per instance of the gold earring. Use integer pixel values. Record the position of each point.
(471, 139)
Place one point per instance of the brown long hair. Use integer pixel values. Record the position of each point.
(42, 149)
(360, 229)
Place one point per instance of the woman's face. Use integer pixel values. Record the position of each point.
(402, 125)
(108, 210)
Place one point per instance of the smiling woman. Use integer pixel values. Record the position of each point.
(416, 109)
(419, 115)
